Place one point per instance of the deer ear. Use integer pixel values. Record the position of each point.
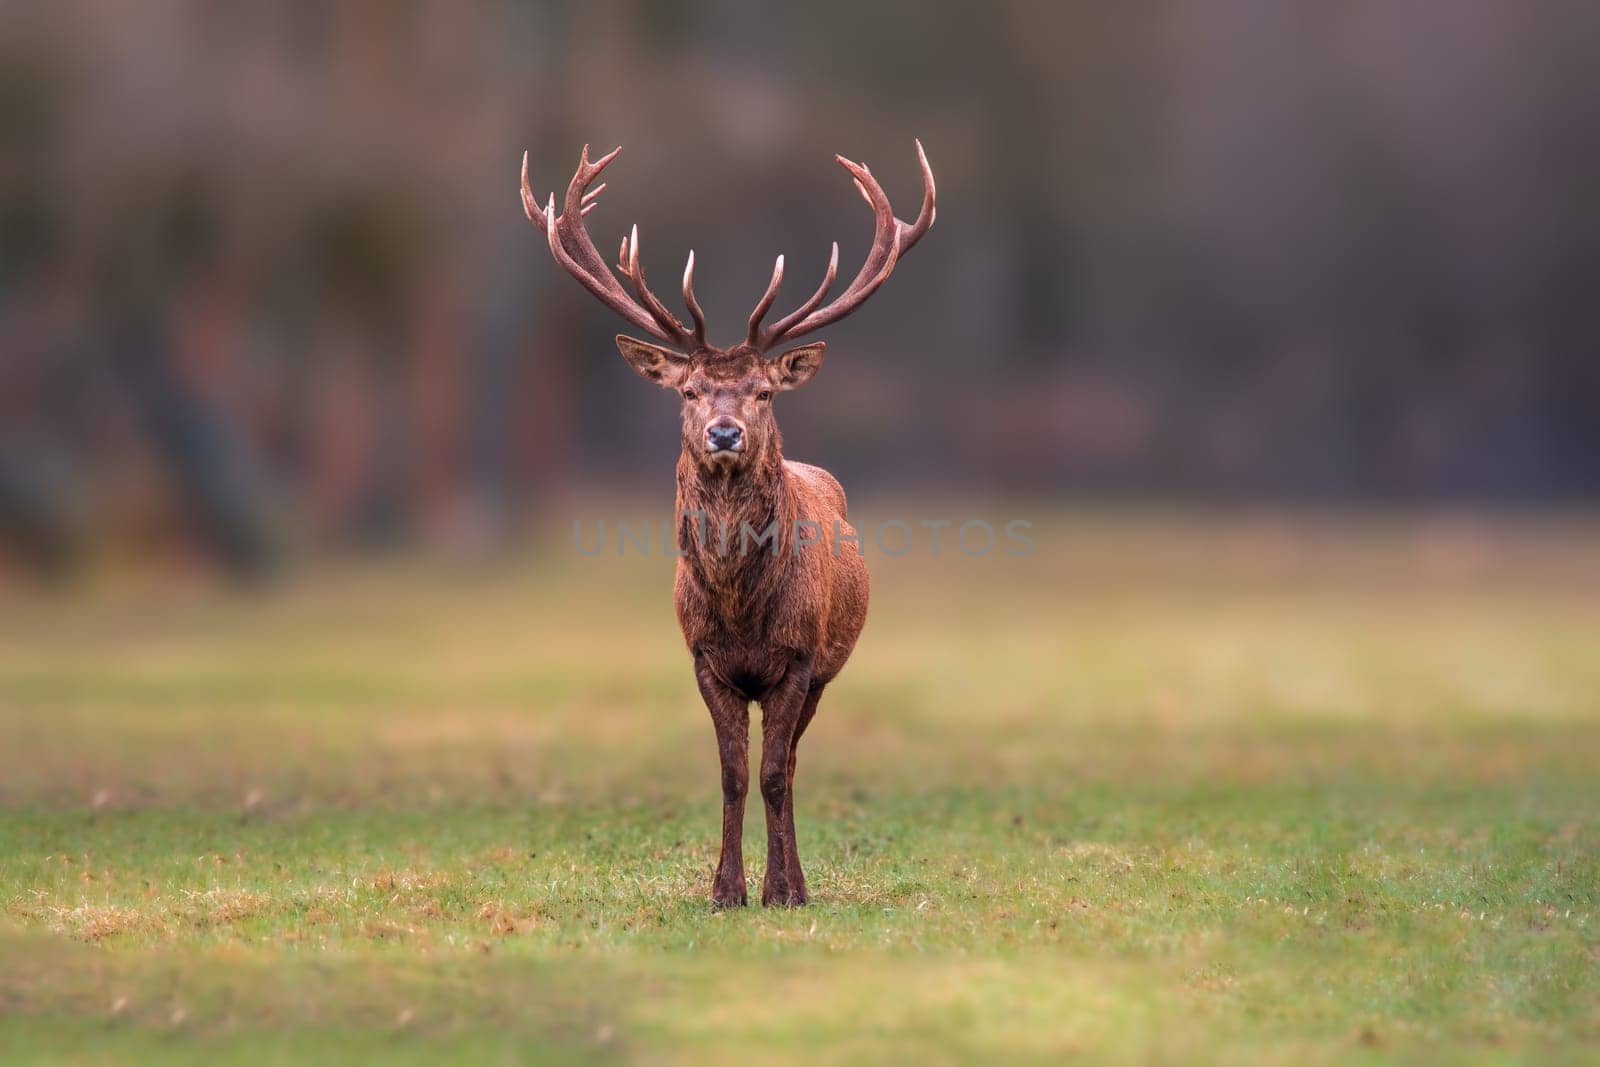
(795, 367)
(652, 362)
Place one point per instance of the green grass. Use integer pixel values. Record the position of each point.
(1207, 789)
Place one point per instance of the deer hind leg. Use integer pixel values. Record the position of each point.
(730, 715)
(781, 712)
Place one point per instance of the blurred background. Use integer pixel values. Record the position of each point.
(266, 288)
(1278, 319)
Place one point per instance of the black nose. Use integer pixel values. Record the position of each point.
(721, 437)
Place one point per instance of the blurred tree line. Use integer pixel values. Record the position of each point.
(265, 279)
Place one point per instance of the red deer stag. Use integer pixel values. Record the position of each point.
(774, 625)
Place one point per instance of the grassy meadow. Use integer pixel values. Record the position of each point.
(1172, 788)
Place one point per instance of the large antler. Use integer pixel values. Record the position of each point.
(572, 248)
(891, 239)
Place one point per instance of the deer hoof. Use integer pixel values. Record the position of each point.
(729, 898)
(784, 898)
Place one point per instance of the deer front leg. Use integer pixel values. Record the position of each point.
(730, 715)
(781, 711)
(796, 876)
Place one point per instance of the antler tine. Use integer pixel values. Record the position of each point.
(589, 199)
(573, 236)
(764, 305)
(530, 202)
(906, 236)
(891, 237)
(577, 194)
(657, 310)
(862, 189)
(692, 304)
(783, 324)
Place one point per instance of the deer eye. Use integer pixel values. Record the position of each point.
(764, 395)
(689, 394)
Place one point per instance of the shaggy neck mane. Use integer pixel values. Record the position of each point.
(735, 571)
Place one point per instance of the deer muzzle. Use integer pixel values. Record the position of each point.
(725, 435)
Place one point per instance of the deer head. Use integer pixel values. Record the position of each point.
(727, 392)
